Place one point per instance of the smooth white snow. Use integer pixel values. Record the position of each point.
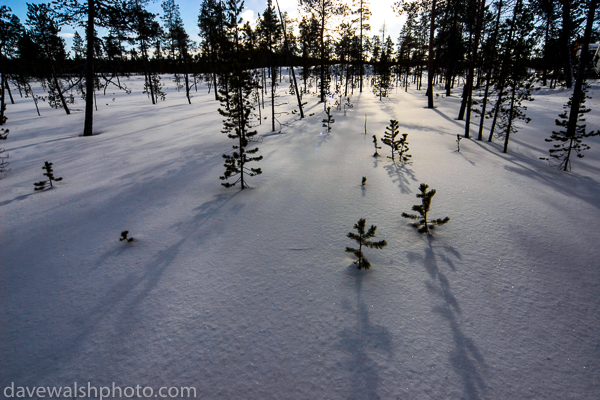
(250, 295)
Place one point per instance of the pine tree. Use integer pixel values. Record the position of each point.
(270, 33)
(78, 47)
(363, 16)
(363, 240)
(328, 121)
(424, 224)
(211, 22)
(3, 163)
(376, 146)
(10, 31)
(43, 31)
(177, 40)
(94, 13)
(50, 174)
(396, 145)
(569, 144)
(575, 108)
(383, 79)
(237, 105)
(147, 31)
(323, 11)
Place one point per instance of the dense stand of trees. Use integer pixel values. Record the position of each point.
(497, 48)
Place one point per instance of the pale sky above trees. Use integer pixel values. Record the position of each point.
(381, 10)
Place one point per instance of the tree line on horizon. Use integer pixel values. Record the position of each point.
(498, 47)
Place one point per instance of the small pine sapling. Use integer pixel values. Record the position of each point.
(50, 174)
(328, 121)
(376, 146)
(124, 237)
(458, 139)
(402, 148)
(423, 224)
(362, 240)
(364, 181)
(3, 163)
(389, 138)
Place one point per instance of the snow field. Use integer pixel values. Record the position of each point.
(250, 295)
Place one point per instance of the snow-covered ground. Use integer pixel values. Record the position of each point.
(250, 295)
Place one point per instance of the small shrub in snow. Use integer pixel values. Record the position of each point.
(458, 139)
(399, 146)
(3, 163)
(328, 121)
(363, 240)
(423, 224)
(124, 237)
(376, 146)
(50, 174)
(364, 181)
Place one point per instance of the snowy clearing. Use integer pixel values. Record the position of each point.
(250, 295)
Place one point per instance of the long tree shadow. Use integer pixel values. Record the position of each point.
(58, 351)
(465, 358)
(18, 198)
(454, 121)
(358, 341)
(567, 183)
(402, 174)
(207, 211)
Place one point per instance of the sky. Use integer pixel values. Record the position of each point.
(381, 13)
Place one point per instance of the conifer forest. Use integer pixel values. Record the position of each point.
(181, 180)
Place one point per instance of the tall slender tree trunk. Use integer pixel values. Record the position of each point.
(290, 61)
(12, 101)
(89, 71)
(566, 42)
(504, 68)
(469, 98)
(510, 117)
(273, 73)
(58, 89)
(488, 79)
(545, 58)
(2, 98)
(430, 60)
(578, 93)
(323, 51)
(360, 46)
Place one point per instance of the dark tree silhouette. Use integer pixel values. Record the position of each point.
(362, 238)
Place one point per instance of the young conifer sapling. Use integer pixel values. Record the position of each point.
(376, 154)
(423, 224)
(399, 145)
(41, 185)
(124, 237)
(362, 238)
(364, 181)
(458, 139)
(3, 163)
(328, 121)
(402, 148)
